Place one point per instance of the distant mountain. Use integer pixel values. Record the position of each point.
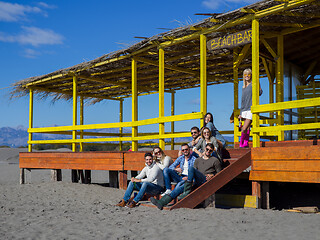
(16, 137)
(13, 137)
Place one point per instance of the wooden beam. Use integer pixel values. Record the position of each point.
(154, 63)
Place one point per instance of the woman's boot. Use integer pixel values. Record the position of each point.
(162, 202)
(242, 139)
(246, 139)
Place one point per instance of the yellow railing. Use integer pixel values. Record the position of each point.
(313, 102)
(67, 130)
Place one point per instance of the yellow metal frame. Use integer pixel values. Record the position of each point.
(203, 76)
(30, 118)
(74, 115)
(255, 80)
(161, 96)
(134, 110)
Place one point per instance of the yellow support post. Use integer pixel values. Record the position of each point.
(235, 96)
(279, 86)
(255, 80)
(270, 78)
(30, 118)
(172, 123)
(120, 120)
(161, 96)
(74, 113)
(81, 122)
(203, 76)
(271, 97)
(134, 85)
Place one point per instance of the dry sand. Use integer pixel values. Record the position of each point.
(65, 210)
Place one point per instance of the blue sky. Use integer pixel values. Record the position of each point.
(40, 37)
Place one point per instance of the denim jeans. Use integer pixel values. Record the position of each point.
(169, 176)
(142, 187)
(178, 189)
(198, 177)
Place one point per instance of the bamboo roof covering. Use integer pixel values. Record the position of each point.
(109, 76)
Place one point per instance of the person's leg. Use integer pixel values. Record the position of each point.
(199, 178)
(128, 192)
(242, 137)
(147, 187)
(169, 176)
(166, 178)
(177, 190)
(168, 198)
(245, 131)
(190, 174)
(246, 139)
(246, 124)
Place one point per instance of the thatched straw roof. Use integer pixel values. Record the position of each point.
(109, 76)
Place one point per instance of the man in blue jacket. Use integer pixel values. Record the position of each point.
(177, 172)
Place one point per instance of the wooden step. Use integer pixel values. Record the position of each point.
(210, 187)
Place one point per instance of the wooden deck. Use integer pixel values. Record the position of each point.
(118, 163)
(286, 164)
(288, 161)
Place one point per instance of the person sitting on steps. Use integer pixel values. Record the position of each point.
(204, 168)
(208, 122)
(149, 180)
(161, 159)
(175, 173)
(195, 133)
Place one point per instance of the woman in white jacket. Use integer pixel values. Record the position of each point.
(161, 159)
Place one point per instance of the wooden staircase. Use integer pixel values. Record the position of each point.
(236, 161)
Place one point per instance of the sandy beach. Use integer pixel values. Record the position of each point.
(65, 210)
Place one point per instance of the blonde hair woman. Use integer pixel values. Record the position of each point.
(245, 110)
(161, 159)
(206, 137)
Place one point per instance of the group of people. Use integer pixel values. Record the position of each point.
(198, 160)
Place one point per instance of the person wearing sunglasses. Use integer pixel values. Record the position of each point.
(204, 168)
(195, 134)
(177, 170)
(245, 110)
(208, 122)
(161, 159)
(206, 137)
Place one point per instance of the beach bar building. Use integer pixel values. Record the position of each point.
(278, 39)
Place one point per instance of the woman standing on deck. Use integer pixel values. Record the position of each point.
(245, 110)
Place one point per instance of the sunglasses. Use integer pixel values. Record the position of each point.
(206, 132)
(209, 150)
(194, 132)
(156, 153)
(247, 75)
(186, 149)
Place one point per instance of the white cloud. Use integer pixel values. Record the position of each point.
(13, 12)
(31, 53)
(215, 4)
(211, 4)
(33, 36)
(45, 5)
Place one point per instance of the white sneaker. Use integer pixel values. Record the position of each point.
(167, 192)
